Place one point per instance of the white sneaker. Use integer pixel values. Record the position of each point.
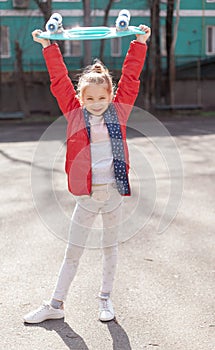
(44, 312)
(106, 311)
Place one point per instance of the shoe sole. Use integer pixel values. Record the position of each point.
(44, 319)
(107, 319)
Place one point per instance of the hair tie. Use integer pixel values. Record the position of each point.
(97, 68)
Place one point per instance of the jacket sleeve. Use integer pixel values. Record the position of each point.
(128, 86)
(61, 85)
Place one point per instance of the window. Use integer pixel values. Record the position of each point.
(116, 47)
(210, 42)
(72, 48)
(5, 42)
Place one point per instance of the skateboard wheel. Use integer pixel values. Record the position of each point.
(122, 20)
(54, 23)
(57, 17)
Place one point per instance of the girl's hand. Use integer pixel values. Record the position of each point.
(142, 38)
(43, 42)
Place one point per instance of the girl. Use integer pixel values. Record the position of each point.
(96, 162)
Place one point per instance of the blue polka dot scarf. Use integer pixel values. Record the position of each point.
(114, 130)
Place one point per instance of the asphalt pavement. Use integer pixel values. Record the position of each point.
(164, 287)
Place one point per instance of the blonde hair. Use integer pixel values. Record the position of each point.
(96, 73)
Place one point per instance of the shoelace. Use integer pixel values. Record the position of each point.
(104, 303)
(44, 306)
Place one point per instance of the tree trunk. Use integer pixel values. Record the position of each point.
(172, 55)
(105, 21)
(20, 81)
(169, 49)
(45, 7)
(87, 23)
(153, 64)
(171, 38)
(158, 77)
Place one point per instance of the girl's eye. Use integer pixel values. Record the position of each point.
(102, 98)
(89, 99)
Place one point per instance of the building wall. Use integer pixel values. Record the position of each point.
(195, 17)
(22, 22)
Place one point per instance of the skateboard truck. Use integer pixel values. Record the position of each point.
(54, 24)
(122, 21)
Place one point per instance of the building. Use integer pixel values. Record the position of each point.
(195, 40)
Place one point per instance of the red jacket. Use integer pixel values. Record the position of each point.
(78, 157)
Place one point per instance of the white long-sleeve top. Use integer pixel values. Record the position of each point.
(101, 152)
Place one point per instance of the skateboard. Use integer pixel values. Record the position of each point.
(55, 30)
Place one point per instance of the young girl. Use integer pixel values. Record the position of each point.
(96, 162)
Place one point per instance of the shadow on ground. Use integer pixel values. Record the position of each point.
(176, 125)
(74, 341)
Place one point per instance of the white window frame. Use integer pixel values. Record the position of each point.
(210, 0)
(67, 48)
(119, 53)
(213, 40)
(7, 38)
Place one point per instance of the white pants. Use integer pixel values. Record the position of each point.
(105, 201)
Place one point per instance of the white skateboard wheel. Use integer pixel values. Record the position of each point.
(125, 13)
(57, 17)
(54, 23)
(122, 21)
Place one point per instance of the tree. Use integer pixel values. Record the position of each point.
(87, 23)
(45, 7)
(153, 65)
(20, 81)
(171, 38)
(105, 22)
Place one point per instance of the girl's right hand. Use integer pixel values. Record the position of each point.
(43, 42)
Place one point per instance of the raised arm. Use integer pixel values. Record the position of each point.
(61, 85)
(128, 86)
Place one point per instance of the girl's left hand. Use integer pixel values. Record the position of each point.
(142, 38)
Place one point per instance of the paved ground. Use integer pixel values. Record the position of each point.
(164, 288)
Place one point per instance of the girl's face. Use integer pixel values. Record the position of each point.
(96, 98)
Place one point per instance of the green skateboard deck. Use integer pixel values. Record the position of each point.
(90, 33)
